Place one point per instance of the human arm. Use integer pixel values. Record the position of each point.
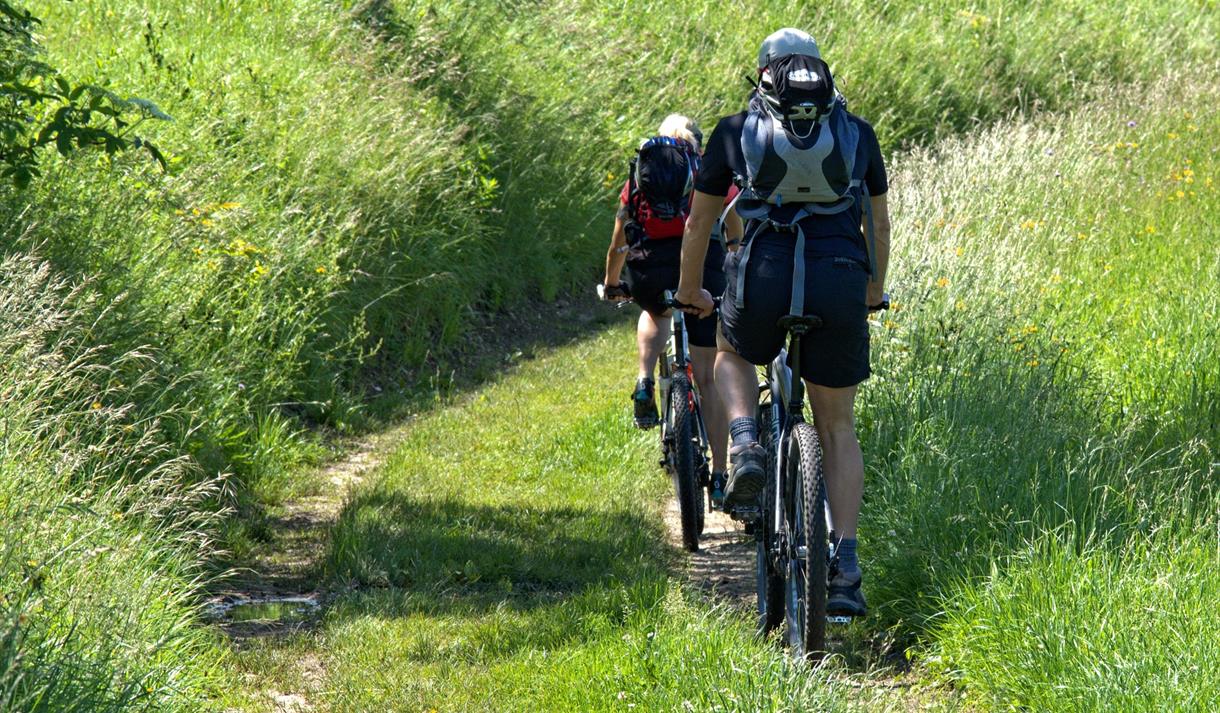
(616, 255)
(704, 211)
(880, 247)
(734, 230)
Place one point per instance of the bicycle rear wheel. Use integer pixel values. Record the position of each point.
(685, 473)
(805, 609)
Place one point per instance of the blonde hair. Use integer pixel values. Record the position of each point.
(681, 127)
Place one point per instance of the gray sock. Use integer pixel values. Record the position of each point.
(743, 430)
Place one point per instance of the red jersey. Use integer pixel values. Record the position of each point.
(656, 228)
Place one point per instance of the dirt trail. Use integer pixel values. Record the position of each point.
(724, 565)
(285, 569)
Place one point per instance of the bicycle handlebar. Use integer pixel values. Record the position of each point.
(670, 300)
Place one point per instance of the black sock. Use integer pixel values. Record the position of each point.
(743, 430)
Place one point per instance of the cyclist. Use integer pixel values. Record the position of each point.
(652, 268)
(837, 285)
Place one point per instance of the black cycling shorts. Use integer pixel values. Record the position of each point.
(660, 270)
(836, 355)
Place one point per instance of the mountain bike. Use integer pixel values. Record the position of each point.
(793, 551)
(684, 441)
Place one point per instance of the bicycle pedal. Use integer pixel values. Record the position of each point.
(747, 514)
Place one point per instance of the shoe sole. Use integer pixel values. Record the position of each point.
(747, 486)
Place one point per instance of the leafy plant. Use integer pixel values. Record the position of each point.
(39, 107)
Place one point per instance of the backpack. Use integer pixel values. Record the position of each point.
(659, 183)
(799, 146)
(785, 165)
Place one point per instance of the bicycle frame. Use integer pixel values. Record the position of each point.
(675, 359)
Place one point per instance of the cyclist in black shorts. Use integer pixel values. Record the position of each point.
(653, 268)
(837, 287)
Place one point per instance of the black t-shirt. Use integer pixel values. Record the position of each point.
(836, 235)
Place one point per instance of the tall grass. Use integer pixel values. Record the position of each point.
(103, 528)
(1043, 430)
(347, 178)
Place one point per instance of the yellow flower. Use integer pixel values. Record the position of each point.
(959, 305)
(259, 270)
(958, 251)
(942, 282)
(1018, 346)
(320, 269)
(1081, 236)
(1172, 135)
(207, 222)
(1056, 278)
(1029, 225)
(890, 324)
(1151, 228)
(1180, 194)
(96, 405)
(1030, 328)
(1032, 362)
(230, 205)
(1108, 267)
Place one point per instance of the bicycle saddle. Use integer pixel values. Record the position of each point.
(793, 323)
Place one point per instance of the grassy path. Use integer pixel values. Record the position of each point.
(512, 551)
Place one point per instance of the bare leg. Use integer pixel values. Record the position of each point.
(843, 462)
(737, 380)
(703, 363)
(651, 334)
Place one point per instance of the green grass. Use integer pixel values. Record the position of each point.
(348, 181)
(1042, 431)
(1041, 512)
(348, 177)
(511, 553)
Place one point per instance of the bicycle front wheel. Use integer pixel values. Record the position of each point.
(805, 609)
(685, 473)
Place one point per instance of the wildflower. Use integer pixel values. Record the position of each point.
(207, 222)
(942, 282)
(229, 205)
(1056, 278)
(1081, 236)
(96, 405)
(958, 251)
(1032, 362)
(1029, 225)
(1108, 267)
(320, 269)
(1018, 346)
(959, 305)
(32, 563)
(259, 270)
(198, 251)
(1132, 124)
(1151, 229)
(1030, 328)
(890, 324)
(1180, 194)
(1172, 135)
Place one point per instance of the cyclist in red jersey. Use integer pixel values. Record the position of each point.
(653, 268)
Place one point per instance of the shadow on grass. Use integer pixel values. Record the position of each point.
(474, 555)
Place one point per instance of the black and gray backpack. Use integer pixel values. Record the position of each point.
(799, 146)
(798, 142)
